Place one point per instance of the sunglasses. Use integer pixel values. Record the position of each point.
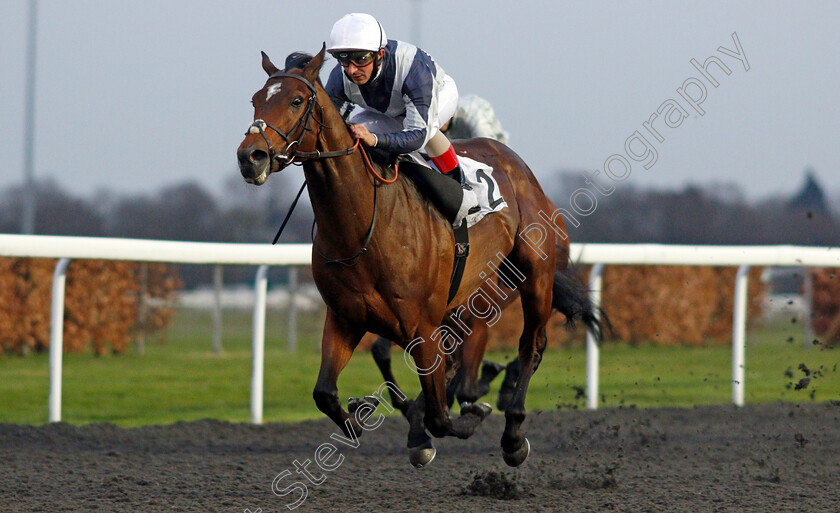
(360, 58)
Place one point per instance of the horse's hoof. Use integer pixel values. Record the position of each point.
(517, 457)
(481, 410)
(353, 403)
(423, 454)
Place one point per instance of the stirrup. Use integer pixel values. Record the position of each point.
(462, 249)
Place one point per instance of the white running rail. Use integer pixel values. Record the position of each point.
(67, 248)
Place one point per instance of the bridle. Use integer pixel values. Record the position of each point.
(291, 153)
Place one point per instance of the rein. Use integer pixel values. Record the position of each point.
(291, 154)
(353, 260)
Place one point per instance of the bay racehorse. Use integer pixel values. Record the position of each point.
(392, 277)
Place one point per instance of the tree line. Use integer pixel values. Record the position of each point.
(714, 214)
(243, 213)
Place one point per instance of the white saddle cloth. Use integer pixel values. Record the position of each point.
(483, 190)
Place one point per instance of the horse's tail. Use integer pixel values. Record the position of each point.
(571, 298)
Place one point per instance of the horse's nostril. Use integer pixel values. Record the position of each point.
(258, 156)
(248, 157)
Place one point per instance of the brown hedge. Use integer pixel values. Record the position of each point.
(663, 305)
(101, 303)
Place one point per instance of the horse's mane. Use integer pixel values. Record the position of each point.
(297, 60)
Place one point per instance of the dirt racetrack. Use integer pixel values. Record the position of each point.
(776, 458)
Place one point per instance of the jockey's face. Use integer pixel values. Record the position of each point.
(359, 74)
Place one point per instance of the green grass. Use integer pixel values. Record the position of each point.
(182, 379)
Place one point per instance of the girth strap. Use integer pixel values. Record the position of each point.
(462, 250)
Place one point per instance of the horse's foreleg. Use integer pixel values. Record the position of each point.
(339, 341)
(381, 352)
(421, 449)
(429, 410)
(430, 366)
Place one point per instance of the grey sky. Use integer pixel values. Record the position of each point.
(135, 95)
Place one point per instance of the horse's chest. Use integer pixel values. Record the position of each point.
(346, 293)
(360, 299)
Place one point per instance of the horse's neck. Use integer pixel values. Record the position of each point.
(340, 189)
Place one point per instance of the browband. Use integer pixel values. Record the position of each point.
(283, 74)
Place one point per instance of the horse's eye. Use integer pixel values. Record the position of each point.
(297, 102)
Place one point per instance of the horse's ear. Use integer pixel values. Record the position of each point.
(267, 65)
(313, 68)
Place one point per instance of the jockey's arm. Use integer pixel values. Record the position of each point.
(418, 91)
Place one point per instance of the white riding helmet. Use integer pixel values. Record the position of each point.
(357, 31)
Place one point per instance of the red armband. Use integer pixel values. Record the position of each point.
(447, 161)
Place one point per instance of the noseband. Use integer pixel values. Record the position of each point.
(291, 152)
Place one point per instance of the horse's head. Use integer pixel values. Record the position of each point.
(283, 124)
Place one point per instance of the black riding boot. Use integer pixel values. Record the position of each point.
(444, 195)
(456, 174)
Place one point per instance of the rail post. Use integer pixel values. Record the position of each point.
(739, 334)
(593, 352)
(258, 344)
(57, 338)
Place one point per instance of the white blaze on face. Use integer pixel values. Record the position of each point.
(272, 90)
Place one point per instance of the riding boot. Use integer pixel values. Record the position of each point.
(444, 195)
(456, 174)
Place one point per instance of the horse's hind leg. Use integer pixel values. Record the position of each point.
(339, 341)
(536, 308)
(472, 387)
(489, 371)
(381, 352)
(508, 385)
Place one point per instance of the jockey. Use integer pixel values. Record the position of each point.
(474, 117)
(404, 95)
